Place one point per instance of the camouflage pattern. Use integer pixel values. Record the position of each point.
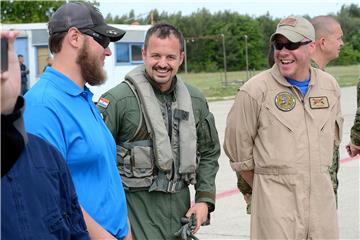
(246, 190)
(355, 130)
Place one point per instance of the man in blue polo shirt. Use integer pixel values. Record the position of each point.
(60, 110)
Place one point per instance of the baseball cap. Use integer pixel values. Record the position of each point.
(295, 29)
(82, 15)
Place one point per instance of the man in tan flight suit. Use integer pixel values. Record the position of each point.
(280, 136)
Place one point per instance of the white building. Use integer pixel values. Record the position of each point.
(126, 53)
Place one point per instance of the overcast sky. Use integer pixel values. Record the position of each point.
(276, 8)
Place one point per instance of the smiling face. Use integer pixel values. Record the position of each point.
(294, 64)
(162, 58)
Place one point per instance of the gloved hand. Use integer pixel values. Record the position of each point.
(186, 231)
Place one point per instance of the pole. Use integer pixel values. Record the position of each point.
(246, 58)
(185, 57)
(224, 53)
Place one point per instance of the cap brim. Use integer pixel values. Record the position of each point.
(115, 34)
(290, 35)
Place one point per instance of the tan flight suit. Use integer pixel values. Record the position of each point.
(287, 139)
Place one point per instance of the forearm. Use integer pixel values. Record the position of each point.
(96, 231)
(248, 176)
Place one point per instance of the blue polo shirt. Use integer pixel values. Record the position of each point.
(61, 112)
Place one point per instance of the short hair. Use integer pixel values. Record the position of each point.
(20, 55)
(55, 41)
(164, 30)
(323, 25)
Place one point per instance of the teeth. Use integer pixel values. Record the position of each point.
(284, 61)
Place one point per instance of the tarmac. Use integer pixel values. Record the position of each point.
(230, 221)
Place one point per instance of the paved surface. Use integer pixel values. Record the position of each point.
(230, 221)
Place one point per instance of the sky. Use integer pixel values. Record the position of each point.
(276, 8)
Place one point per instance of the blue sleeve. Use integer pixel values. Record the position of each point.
(43, 122)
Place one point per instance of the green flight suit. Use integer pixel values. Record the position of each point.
(157, 215)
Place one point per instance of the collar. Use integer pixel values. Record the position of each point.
(282, 80)
(156, 88)
(64, 83)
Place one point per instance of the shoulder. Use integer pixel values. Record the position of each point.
(325, 80)
(118, 93)
(256, 86)
(195, 93)
(44, 154)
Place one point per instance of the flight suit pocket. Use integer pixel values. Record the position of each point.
(338, 131)
(277, 140)
(143, 161)
(55, 223)
(124, 161)
(207, 132)
(327, 137)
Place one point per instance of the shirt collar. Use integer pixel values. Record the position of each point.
(64, 83)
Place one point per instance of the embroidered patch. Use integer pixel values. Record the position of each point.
(285, 101)
(288, 22)
(103, 102)
(319, 102)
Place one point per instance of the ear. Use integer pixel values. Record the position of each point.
(74, 38)
(322, 43)
(182, 55)
(143, 53)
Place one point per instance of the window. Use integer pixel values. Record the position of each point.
(128, 53)
(42, 54)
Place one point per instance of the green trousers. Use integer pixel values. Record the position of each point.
(156, 215)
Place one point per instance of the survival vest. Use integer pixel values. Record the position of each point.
(168, 161)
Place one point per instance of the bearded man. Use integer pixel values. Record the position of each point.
(60, 110)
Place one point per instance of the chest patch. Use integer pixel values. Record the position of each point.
(103, 102)
(285, 101)
(319, 102)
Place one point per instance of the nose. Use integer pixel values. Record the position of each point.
(162, 62)
(107, 52)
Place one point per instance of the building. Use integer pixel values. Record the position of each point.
(32, 43)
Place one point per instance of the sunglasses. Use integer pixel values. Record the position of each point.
(104, 41)
(289, 45)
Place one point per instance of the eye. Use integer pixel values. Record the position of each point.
(172, 57)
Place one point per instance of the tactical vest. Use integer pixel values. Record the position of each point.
(168, 161)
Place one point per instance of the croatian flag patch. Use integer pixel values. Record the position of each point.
(103, 102)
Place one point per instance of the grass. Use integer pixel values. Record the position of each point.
(214, 87)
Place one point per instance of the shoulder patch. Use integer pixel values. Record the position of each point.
(103, 102)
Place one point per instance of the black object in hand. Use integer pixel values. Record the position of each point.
(4, 55)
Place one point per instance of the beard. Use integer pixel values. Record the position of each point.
(90, 68)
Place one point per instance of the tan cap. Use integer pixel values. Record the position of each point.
(295, 28)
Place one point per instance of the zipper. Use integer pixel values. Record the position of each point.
(169, 118)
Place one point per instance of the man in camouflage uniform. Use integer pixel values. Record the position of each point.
(328, 40)
(166, 140)
(353, 148)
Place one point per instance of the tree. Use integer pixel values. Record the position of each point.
(29, 11)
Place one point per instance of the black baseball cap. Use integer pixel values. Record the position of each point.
(82, 15)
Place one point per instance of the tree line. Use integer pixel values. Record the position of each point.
(208, 35)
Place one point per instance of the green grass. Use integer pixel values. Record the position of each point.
(214, 87)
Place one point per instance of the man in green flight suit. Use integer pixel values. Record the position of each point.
(166, 140)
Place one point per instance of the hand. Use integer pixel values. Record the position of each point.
(10, 80)
(201, 212)
(352, 150)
